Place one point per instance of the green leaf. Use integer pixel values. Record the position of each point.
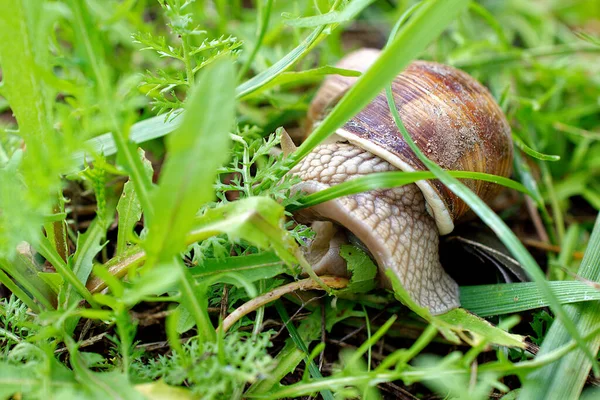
(159, 390)
(250, 268)
(129, 209)
(560, 379)
(14, 380)
(453, 323)
(387, 180)
(535, 154)
(195, 151)
(304, 77)
(258, 220)
(362, 268)
(332, 17)
(488, 300)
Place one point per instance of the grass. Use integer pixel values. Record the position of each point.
(147, 242)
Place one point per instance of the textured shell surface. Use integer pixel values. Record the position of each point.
(451, 117)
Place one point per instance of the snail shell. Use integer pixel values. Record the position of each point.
(451, 117)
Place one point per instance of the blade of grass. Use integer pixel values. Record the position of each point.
(45, 248)
(531, 152)
(498, 226)
(560, 379)
(264, 15)
(331, 17)
(312, 367)
(488, 300)
(16, 290)
(387, 180)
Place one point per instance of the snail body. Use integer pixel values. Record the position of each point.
(455, 121)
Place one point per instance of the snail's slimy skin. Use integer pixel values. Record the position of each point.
(392, 223)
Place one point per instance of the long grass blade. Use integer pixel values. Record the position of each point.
(387, 180)
(564, 379)
(488, 300)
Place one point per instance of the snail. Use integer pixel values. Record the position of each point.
(454, 120)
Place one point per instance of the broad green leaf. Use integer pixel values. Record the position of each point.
(251, 268)
(195, 151)
(362, 268)
(258, 220)
(24, 63)
(14, 381)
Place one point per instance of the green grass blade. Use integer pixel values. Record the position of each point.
(271, 73)
(495, 223)
(81, 264)
(531, 152)
(299, 342)
(16, 290)
(427, 22)
(264, 11)
(195, 151)
(45, 248)
(387, 180)
(331, 17)
(564, 379)
(506, 298)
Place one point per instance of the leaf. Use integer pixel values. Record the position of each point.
(129, 208)
(453, 323)
(361, 266)
(332, 17)
(488, 300)
(535, 154)
(560, 379)
(258, 220)
(304, 77)
(251, 268)
(13, 381)
(387, 180)
(159, 390)
(81, 263)
(195, 151)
